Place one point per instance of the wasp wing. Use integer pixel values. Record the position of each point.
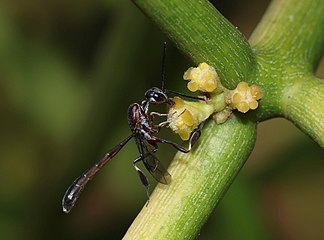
(155, 168)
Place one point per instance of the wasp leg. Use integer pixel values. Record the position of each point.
(142, 176)
(152, 114)
(194, 136)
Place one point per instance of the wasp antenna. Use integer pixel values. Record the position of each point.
(163, 65)
(184, 95)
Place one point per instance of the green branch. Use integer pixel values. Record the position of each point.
(203, 35)
(285, 49)
(293, 31)
(199, 180)
(288, 43)
(303, 104)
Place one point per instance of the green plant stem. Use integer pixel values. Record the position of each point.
(288, 43)
(201, 177)
(199, 180)
(293, 31)
(303, 104)
(203, 35)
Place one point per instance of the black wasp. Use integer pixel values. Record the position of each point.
(140, 121)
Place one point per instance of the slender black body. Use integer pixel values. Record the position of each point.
(74, 191)
(140, 121)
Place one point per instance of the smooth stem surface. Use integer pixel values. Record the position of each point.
(288, 43)
(293, 31)
(199, 180)
(203, 35)
(304, 106)
(278, 63)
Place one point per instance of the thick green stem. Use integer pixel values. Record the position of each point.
(286, 48)
(288, 43)
(203, 35)
(292, 30)
(303, 104)
(199, 180)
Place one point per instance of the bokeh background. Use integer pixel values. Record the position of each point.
(68, 71)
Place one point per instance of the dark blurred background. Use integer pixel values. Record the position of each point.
(68, 71)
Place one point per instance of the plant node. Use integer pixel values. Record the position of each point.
(185, 116)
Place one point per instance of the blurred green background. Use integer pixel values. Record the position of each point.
(68, 71)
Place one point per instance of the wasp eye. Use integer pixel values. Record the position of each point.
(156, 95)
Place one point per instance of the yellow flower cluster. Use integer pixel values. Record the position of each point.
(185, 116)
(244, 98)
(202, 78)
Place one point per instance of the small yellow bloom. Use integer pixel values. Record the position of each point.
(202, 78)
(185, 116)
(244, 98)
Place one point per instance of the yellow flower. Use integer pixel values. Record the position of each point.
(202, 78)
(185, 116)
(244, 98)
